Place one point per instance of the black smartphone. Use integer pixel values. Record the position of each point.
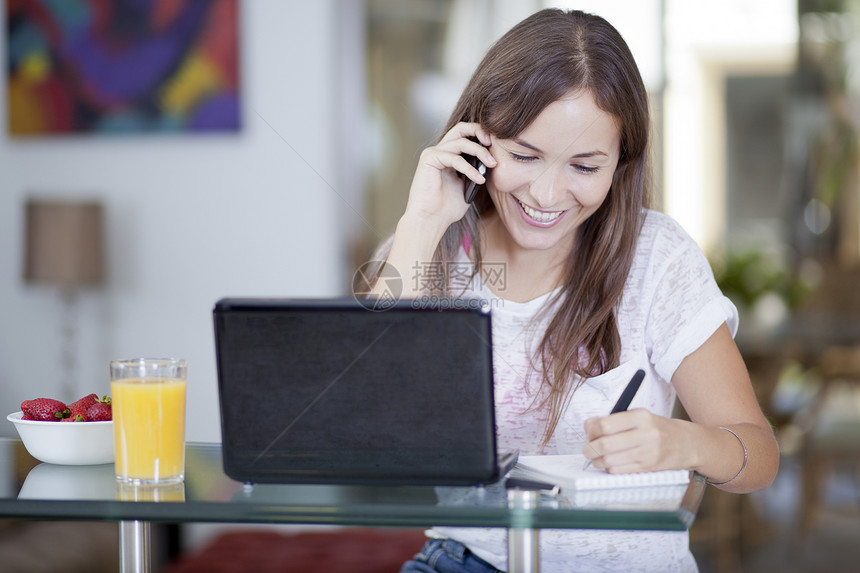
(471, 186)
(544, 488)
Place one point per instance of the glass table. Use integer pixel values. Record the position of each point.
(31, 490)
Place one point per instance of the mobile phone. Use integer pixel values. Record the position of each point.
(548, 489)
(471, 186)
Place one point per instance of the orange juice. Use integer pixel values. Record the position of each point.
(149, 428)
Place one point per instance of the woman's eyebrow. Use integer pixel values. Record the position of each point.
(595, 153)
(585, 154)
(526, 144)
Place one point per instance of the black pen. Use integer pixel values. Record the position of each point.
(626, 397)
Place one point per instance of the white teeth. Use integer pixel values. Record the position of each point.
(540, 216)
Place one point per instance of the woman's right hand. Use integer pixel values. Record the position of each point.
(436, 194)
(435, 202)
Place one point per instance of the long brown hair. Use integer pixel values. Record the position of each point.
(537, 62)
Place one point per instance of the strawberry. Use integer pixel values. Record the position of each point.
(79, 407)
(100, 410)
(76, 418)
(45, 409)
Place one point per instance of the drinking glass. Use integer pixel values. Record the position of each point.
(148, 402)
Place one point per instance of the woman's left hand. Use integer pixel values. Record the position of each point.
(636, 441)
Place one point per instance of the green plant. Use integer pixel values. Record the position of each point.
(745, 275)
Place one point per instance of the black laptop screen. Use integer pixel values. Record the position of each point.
(329, 392)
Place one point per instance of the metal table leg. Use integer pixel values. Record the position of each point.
(523, 543)
(135, 547)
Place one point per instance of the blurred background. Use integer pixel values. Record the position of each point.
(301, 160)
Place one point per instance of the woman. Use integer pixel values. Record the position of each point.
(596, 286)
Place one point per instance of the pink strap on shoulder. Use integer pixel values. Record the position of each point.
(467, 241)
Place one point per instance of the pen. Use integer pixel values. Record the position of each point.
(626, 397)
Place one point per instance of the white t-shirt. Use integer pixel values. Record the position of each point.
(670, 306)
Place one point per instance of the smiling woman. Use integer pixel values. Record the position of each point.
(596, 287)
(545, 185)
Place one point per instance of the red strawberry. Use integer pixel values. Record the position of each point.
(79, 407)
(45, 409)
(100, 410)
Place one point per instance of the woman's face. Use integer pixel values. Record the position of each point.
(555, 174)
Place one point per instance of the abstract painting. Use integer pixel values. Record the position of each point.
(122, 66)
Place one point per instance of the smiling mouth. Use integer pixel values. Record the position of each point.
(540, 216)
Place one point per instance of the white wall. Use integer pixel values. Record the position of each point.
(189, 218)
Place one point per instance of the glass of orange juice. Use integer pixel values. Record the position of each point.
(148, 403)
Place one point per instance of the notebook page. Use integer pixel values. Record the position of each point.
(568, 472)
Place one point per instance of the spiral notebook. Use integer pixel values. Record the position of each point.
(568, 472)
(639, 498)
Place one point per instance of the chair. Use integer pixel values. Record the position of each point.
(831, 431)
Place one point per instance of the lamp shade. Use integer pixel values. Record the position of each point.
(64, 243)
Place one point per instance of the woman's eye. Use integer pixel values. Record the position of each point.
(523, 158)
(586, 169)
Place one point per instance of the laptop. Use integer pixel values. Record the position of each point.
(333, 391)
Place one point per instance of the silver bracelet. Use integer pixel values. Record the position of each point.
(743, 465)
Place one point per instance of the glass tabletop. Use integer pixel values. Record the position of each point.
(33, 490)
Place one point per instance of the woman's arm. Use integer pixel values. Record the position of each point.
(714, 386)
(715, 389)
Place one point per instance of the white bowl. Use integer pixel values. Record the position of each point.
(66, 443)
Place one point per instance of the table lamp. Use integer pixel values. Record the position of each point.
(64, 250)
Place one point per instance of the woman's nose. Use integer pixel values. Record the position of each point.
(545, 189)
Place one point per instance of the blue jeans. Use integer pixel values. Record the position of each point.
(447, 556)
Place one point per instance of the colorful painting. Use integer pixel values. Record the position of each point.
(126, 66)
